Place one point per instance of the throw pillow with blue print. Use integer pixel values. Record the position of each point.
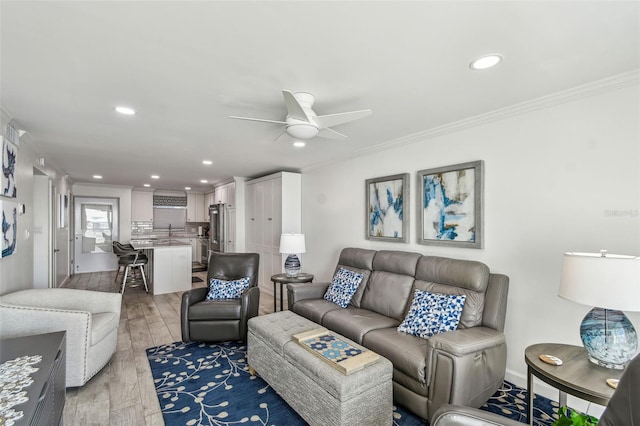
(432, 313)
(343, 287)
(222, 289)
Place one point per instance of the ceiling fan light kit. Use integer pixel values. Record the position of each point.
(303, 123)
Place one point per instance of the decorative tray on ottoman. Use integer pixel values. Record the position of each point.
(335, 350)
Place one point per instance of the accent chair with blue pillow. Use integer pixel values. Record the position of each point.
(220, 311)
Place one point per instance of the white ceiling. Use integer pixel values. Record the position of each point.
(186, 66)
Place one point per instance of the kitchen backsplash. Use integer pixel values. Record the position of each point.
(143, 227)
(146, 227)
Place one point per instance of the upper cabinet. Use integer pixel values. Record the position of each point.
(141, 206)
(195, 208)
(208, 200)
(226, 194)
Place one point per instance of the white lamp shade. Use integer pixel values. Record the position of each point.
(292, 243)
(611, 281)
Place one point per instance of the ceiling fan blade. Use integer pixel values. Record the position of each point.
(280, 135)
(330, 120)
(257, 119)
(294, 109)
(330, 134)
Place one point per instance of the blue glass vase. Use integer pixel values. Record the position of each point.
(609, 337)
(292, 265)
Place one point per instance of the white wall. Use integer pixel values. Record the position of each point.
(16, 271)
(552, 179)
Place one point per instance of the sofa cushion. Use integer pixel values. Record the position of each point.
(360, 261)
(215, 310)
(432, 313)
(314, 309)
(222, 289)
(459, 277)
(389, 289)
(407, 353)
(343, 287)
(354, 323)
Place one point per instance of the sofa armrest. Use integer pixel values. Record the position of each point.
(250, 307)
(457, 415)
(302, 291)
(66, 299)
(466, 341)
(465, 366)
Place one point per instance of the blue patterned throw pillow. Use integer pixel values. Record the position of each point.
(343, 287)
(432, 313)
(222, 289)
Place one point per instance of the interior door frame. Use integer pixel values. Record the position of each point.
(109, 260)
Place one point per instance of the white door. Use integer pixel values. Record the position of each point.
(95, 228)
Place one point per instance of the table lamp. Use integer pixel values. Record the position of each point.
(292, 244)
(610, 283)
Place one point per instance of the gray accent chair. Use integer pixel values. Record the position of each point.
(220, 320)
(90, 318)
(464, 367)
(623, 408)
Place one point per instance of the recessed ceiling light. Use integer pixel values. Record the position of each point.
(97, 177)
(485, 62)
(299, 144)
(155, 177)
(146, 185)
(203, 181)
(207, 162)
(125, 110)
(188, 188)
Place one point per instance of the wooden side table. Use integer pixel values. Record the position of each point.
(283, 279)
(576, 376)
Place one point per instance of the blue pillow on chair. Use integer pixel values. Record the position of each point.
(222, 289)
(432, 313)
(343, 287)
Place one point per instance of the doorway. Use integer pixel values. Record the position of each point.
(96, 224)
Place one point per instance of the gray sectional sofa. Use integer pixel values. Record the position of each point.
(464, 367)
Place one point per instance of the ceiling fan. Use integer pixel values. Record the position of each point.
(302, 123)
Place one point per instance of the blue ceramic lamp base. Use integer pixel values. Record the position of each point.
(292, 265)
(609, 338)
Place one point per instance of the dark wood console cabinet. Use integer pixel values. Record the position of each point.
(47, 392)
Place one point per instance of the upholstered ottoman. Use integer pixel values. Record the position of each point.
(321, 394)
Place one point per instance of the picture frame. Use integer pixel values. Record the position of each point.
(8, 186)
(387, 208)
(450, 209)
(9, 228)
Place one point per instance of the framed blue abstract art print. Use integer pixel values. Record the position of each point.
(9, 211)
(450, 205)
(8, 175)
(388, 208)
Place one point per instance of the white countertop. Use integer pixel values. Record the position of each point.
(162, 243)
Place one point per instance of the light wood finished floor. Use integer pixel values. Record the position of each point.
(122, 393)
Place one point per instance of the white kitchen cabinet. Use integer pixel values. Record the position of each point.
(230, 230)
(141, 206)
(208, 200)
(195, 208)
(195, 249)
(226, 194)
(273, 206)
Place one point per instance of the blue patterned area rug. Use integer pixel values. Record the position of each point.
(209, 384)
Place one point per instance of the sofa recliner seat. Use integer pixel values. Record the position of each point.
(465, 366)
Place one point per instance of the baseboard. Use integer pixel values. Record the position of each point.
(541, 388)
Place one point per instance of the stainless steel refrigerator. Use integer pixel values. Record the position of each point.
(216, 228)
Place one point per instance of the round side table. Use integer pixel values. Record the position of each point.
(283, 279)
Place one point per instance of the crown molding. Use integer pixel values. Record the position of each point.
(610, 84)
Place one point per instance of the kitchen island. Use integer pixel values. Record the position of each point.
(169, 267)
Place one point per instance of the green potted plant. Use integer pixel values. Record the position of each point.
(574, 418)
